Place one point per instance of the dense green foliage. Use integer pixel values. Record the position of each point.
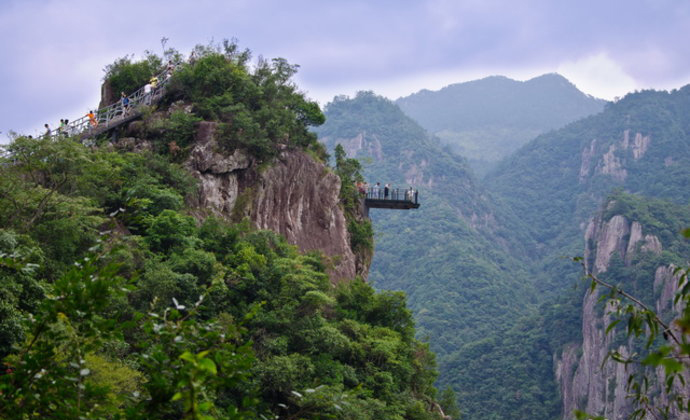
(259, 108)
(126, 76)
(555, 161)
(116, 303)
(360, 229)
(464, 288)
(486, 120)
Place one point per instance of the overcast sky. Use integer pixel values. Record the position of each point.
(53, 52)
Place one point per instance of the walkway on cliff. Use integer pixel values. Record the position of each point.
(394, 198)
(113, 115)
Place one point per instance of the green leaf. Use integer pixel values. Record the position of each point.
(612, 325)
(188, 357)
(208, 365)
(653, 359)
(177, 396)
(672, 365)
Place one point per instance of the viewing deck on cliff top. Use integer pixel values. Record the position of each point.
(396, 198)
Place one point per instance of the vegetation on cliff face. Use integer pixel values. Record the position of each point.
(118, 304)
(642, 311)
(360, 229)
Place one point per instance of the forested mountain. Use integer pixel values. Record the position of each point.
(464, 270)
(136, 284)
(634, 243)
(459, 258)
(486, 120)
(556, 184)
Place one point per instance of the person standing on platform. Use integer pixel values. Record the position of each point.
(386, 190)
(147, 93)
(125, 103)
(154, 85)
(92, 119)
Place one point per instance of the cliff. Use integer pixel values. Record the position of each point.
(588, 379)
(294, 195)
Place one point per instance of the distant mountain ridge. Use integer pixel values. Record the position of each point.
(487, 119)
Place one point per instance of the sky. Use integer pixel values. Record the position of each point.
(54, 51)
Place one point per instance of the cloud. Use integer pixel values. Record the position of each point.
(598, 75)
(54, 51)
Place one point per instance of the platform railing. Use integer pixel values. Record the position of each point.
(393, 194)
(115, 113)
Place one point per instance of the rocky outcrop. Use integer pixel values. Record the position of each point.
(612, 160)
(371, 146)
(299, 198)
(587, 155)
(587, 380)
(612, 165)
(294, 196)
(218, 173)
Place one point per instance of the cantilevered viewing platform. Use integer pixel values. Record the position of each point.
(391, 198)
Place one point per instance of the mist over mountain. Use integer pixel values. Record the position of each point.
(485, 120)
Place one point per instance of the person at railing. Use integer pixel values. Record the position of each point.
(360, 188)
(169, 69)
(410, 194)
(386, 190)
(64, 127)
(154, 85)
(147, 94)
(47, 127)
(124, 100)
(92, 119)
(376, 190)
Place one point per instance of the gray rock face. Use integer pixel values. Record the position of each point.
(218, 173)
(296, 197)
(588, 382)
(613, 161)
(299, 198)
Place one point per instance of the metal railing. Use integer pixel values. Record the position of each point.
(113, 114)
(393, 194)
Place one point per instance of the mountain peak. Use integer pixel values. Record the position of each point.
(474, 117)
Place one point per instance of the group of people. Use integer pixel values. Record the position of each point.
(64, 128)
(125, 102)
(385, 192)
(150, 88)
